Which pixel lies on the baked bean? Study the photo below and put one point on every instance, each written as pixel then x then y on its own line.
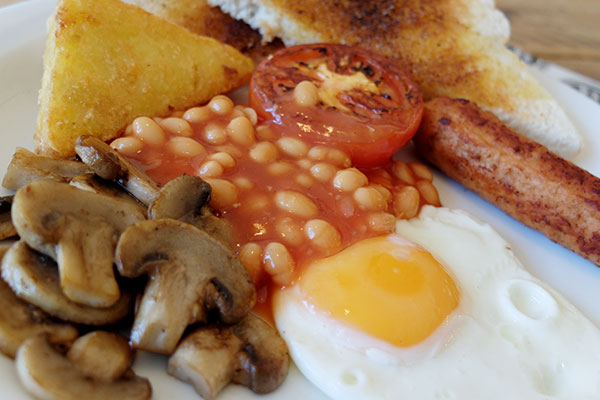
pixel 348 180
pixel 158 120
pixel 214 134
pixel 387 195
pixel 296 203
pixel 177 114
pixel 304 163
pixel 238 111
pixel 322 234
pixel 243 183
pixel 223 158
pixel 221 105
pixel 148 131
pixel 306 94
pixel 129 130
pixel 251 114
pixel 403 172
pixel 304 180
pixel 428 192
pixel 177 126
pixel 277 259
pixel 292 147
pixel 264 132
pixel 127 145
pixel 264 152
pixel 318 153
pixel 197 114
pixel 339 158
pixel 241 131
pixel 251 256
pixel 369 198
pixel 406 202
pixel 382 222
pixel 280 168
pixel 421 171
pixel 323 172
pixel 230 149
pixel 346 206
pixel 185 147
pixel 283 279
pixel 224 193
pixel 289 231
pixel 210 169
pixel 258 202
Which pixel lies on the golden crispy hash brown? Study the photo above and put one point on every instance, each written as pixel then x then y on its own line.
pixel 107 62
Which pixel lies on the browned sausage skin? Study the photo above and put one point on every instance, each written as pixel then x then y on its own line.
pixel 520 176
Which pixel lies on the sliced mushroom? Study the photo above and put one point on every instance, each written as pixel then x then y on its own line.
pixel 101 355
pixel 26 167
pixel 186 199
pixel 250 353
pixel 33 277
pixel 7 229
pixel 191 275
pixel 79 229
pixel 93 183
pixel 47 374
pixel 19 320
pixel 108 164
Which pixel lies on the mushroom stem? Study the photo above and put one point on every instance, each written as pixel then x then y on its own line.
pixel 250 353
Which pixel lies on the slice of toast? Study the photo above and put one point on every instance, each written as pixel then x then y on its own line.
pixel 107 62
pixel 203 19
pixel 454 48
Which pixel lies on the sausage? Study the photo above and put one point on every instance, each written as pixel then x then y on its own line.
pixel 521 177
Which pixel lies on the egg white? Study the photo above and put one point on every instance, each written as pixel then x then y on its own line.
pixel 511 337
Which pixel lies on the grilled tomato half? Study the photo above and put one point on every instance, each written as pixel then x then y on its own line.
pixel 338 95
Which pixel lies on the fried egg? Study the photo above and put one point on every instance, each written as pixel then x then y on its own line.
pixel 440 310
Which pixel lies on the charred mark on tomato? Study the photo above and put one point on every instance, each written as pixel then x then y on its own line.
pixel 368 71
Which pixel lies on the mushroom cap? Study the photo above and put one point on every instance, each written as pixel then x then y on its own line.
pixel 250 353
pixel 192 276
pixel 186 198
pixel 19 320
pixel 26 167
pixel 33 277
pixel 78 229
pixel 48 374
pixel 108 164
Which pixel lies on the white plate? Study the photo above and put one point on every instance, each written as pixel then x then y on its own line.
pixel 22 33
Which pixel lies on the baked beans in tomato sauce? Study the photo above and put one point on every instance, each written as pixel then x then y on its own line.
pixel 289 202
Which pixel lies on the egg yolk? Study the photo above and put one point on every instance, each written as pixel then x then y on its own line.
pixel 386 286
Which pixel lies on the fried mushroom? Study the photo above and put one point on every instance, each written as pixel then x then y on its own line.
pixel 19 320
pixel 108 164
pixel 46 373
pixel 79 229
pixel 7 229
pixel 93 183
pixel 186 198
pixel 191 276
pixel 33 277
pixel 250 353
pixel 26 167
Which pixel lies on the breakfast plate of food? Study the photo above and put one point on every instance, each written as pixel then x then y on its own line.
pixel 374 293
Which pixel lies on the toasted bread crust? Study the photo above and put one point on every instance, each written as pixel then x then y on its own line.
pixel 203 19
pixel 523 178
